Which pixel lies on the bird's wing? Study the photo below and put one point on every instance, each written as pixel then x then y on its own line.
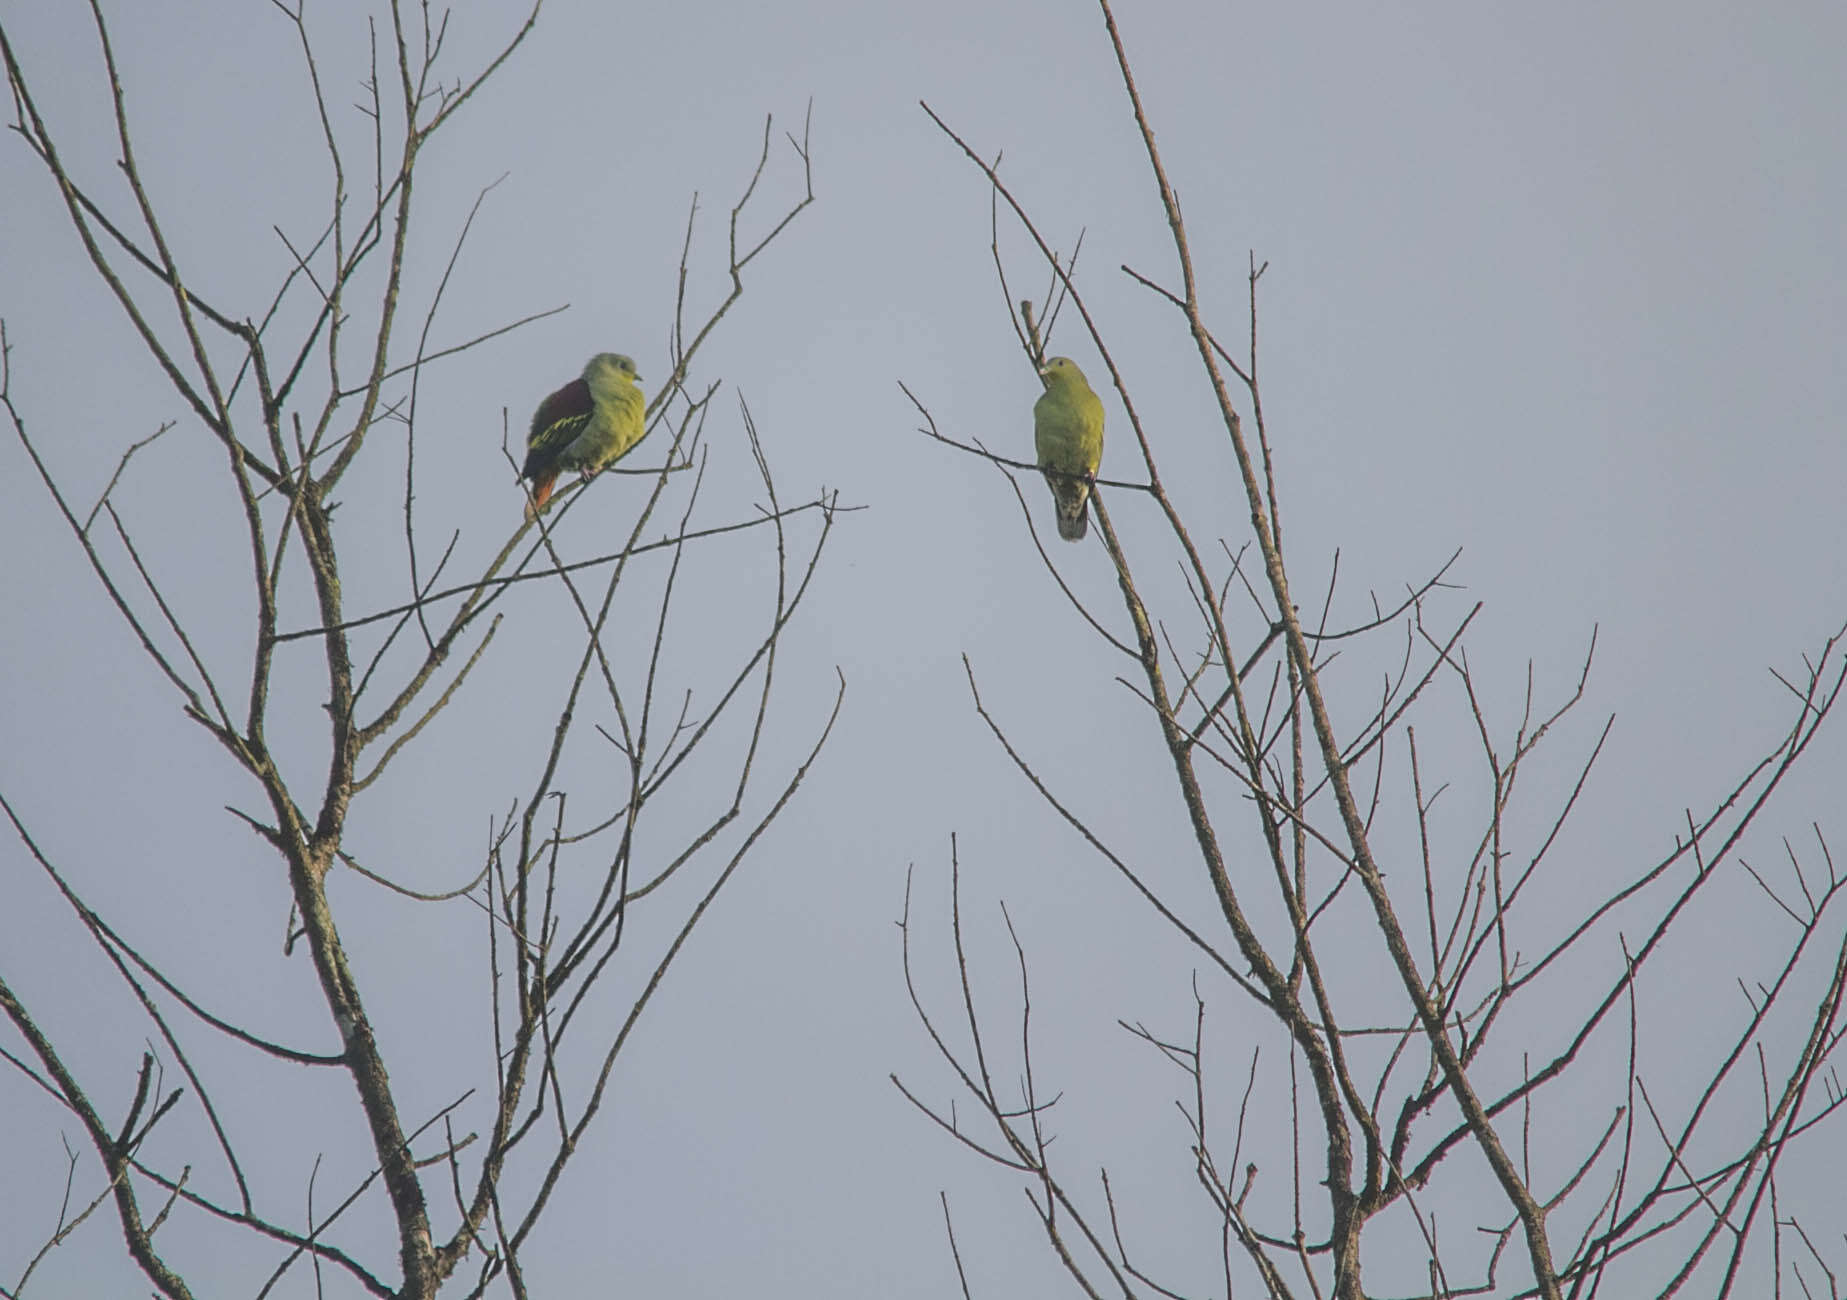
pixel 571 400
pixel 1092 437
pixel 556 424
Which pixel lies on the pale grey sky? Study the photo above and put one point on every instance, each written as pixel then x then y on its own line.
pixel 1562 286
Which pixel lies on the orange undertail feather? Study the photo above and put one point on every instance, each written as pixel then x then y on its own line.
pixel 541 493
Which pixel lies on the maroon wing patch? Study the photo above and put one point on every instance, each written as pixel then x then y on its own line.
pixel 572 399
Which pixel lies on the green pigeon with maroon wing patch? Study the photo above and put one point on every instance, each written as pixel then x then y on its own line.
pixel 590 423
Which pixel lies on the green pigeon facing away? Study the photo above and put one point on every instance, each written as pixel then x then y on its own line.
pixel 589 423
pixel 1068 435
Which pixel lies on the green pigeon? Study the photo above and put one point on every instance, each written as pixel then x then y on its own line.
pixel 589 423
pixel 1068 435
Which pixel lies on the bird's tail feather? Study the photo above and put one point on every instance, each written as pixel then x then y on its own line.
pixel 541 493
pixel 1073 500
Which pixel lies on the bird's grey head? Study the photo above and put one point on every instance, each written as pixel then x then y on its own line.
pixel 604 363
